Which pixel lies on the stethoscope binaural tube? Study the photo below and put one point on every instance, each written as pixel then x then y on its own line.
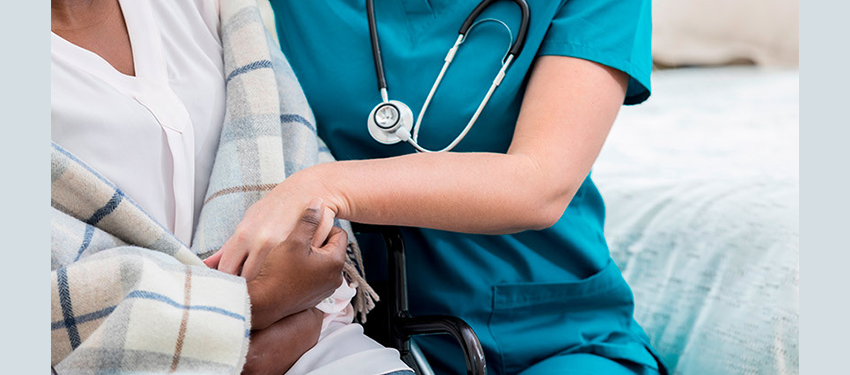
pixel 519 43
pixel 376 48
pixel 390 121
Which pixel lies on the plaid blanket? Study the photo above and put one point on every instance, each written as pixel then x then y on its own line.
pixel 128 296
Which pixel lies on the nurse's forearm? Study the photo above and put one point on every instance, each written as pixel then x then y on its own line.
pixel 568 108
pixel 553 147
pixel 465 192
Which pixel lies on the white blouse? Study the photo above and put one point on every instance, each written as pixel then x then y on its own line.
pixel 153 134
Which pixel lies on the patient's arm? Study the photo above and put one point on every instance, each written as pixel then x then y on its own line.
pixel 292 278
pixel 297 274
pixel 275 349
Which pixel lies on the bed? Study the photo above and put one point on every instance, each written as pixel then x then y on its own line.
pixel 701 185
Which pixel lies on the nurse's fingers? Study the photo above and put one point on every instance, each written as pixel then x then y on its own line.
pixel 234 253
pixel 212 260
pixel 324 228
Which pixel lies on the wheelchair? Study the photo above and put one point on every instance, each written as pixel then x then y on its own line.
pixel 392 324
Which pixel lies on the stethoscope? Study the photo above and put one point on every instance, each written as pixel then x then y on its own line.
pixel 392 121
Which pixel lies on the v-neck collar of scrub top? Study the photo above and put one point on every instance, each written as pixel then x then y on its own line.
pixel 433 7
pixel 149 87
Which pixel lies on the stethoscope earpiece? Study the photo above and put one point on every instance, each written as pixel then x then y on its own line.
pixel 391 121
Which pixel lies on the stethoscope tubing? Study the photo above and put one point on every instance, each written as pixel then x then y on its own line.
pixel 376 45
pixel 515 48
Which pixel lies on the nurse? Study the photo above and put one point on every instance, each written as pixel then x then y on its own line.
pixel 506 230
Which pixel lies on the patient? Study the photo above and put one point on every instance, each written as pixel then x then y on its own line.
pixel 138 93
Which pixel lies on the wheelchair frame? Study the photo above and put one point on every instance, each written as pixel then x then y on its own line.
pixel 401 326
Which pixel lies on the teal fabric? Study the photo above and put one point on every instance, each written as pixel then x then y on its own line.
pixel 529 296
pixel 612 33
pixel 584 364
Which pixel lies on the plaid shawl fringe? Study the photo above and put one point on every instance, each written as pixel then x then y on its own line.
pixel 126 294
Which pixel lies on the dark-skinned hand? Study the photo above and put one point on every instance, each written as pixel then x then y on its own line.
pixel 275 349
pixel 297 274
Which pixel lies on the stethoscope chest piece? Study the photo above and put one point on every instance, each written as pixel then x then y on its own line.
pixel 387 118
pixel 392 121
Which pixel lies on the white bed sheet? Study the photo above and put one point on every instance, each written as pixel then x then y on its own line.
pixel 701 184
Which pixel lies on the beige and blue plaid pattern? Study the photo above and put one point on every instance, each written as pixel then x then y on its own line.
pixel 128 296
pixel 251 159
pixel 269 133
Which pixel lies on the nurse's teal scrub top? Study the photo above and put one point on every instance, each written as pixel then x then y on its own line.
pixel 544 298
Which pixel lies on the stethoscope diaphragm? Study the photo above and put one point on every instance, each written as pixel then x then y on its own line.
pixel 387 119
pixel 391 121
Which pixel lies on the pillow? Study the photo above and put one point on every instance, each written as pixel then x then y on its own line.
pixel 714 32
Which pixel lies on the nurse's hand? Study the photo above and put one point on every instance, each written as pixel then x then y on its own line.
pixel 269 222
pixel 275 349
pixel 297 274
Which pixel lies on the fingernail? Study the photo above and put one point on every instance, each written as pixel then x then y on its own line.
pixel 315 204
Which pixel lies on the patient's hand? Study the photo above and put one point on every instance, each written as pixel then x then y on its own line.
pixel 296 274
pixel 275 349
pixel 268 222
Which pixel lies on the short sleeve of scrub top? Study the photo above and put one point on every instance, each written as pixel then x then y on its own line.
pixel 615 33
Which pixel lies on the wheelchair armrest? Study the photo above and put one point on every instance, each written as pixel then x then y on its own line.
pixel 473 353
pixel 401 325
pixel 396 269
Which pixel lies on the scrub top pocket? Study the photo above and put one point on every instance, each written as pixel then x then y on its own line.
pixel 533 321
